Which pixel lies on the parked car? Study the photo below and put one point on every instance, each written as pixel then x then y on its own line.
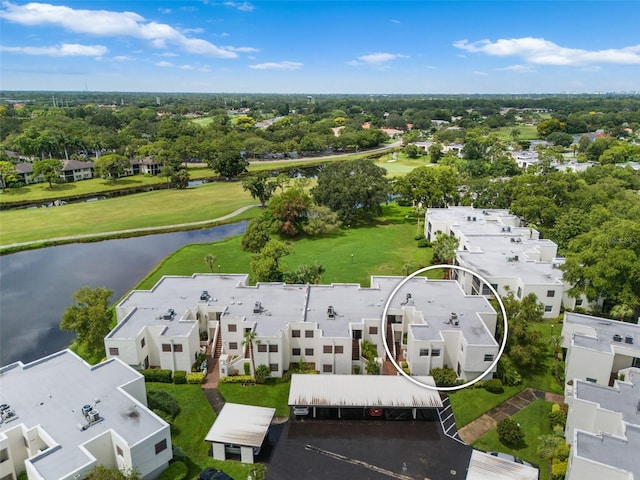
pixel 300 411
pixel 213 474
pixel 376 412
pixel 511 458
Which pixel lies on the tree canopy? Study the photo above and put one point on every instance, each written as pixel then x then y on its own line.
pixel 90 317
pixel 49 169
pixel 111 166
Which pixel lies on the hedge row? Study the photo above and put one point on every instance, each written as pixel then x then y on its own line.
pixel 195 378
pixel 237 379
pixel 157 375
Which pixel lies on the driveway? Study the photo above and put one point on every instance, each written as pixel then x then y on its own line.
pixel 364 449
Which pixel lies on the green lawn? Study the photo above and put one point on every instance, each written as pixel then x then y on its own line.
pixel 471 403
pixel 534 421
pixel 402 164
pixel 527 132
pixel 545 379
pixel 382 248
pixel 191 426
pixel 148 209
pixel 273 394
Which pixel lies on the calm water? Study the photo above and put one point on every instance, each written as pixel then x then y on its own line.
pixel 36 285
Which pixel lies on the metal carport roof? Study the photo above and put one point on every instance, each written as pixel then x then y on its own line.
pixel 487 467
pixel 385 391
pixel 242 425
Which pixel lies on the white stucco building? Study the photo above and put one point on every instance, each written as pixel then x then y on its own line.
pixel 60 417
pixel 429 324
pixel 511 257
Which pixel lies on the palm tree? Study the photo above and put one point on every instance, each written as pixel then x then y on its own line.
pixel 515 134
pixel 555 342
pixel 211 260
pixel 547 445
pixel 250 338
pixel 444 250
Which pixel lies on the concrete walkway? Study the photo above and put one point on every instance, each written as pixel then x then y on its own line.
pixel 71 238
pixel 474 430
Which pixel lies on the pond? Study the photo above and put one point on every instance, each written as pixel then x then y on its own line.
pixel 36 285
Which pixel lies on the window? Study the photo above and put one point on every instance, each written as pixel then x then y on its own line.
pixel 273 348
pixel 233 345
pixel 435 352
pixel 177 347
pixel 488 357
pixel 295 333
pixel 119 451
pixel 424 352
pixel 262 347
pixel 373 330
pixel 327 349
pixel 143 342
pixel 519 294
pixel 308 351
pixel 592 380
pixel 327 368
pixel 114 351
pixel 308 334
pixel 232 327
pixel 578 302
pixel 295 351
pixel 160 446
pixel 551 293
pixel 548 308
pixel 166 347
pixel 338 349
pixel 4 455
pixel 273 367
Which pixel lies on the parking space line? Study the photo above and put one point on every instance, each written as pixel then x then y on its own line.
pixel 360 463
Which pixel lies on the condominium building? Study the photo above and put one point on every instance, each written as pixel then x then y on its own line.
pixel 430 323
pixel 509 256
pixel 60 417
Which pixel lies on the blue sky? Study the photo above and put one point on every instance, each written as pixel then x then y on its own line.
pixel 299 46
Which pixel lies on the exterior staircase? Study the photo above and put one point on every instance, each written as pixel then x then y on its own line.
pixel 355 349
pixel 218 349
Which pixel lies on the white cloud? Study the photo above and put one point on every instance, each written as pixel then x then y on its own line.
pixel 397 22
pixel 166 54
pixel 518 68
pixel 165 11
pixel 123 58
pixel 242 49
pixel 479 73
pixel 164 64
pixel 187 67
pixel 109 24
pixel 242 6
pixel 376 59
pixel 192 30
pixel 278 66
pixel 63 50
pixel 539 51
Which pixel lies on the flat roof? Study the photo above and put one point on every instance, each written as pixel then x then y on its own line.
pixel 487 467
pixel 620 453
pixel 602 334
pixel 50 393
pixel 384 391
pixel 624 397
pixel 243 425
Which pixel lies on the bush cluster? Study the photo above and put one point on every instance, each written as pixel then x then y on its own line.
pixel 163 401
pixel 176 471
pixel 157 375
pixel 510 433
pixel 198 363
pixel 237 379
pixel 179 377
pixel 195 378
pixel 444 377
pixel 557 417
pixel 424 243
pixel 494 386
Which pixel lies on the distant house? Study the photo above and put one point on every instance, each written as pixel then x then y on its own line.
pixel 146 165
pixel 24 173
pixel 74 170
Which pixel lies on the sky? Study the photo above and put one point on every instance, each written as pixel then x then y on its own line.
pixel 299 46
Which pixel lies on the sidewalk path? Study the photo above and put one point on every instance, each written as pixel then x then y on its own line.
pixel 130 230
pixel 474 430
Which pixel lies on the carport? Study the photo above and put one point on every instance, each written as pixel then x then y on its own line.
pixel 347 392
pixel 487 467
pixel 239 429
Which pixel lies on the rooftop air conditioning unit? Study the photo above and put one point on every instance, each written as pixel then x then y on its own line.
pixel 94 416
pixel 628 339
pixel 468 219
pixel 257 308
pixel 331 313
pixel 617 338
pixel 513 240
pixel 205 295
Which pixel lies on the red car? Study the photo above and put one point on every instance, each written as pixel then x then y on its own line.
pixel 375 412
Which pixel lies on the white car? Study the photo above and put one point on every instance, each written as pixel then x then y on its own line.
pixel 300 411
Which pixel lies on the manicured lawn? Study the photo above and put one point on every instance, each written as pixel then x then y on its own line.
pixel 527 132
pixel 382 248
pixel 148 209
pixel 402 164
pixel 534 421
pixel 190 428
pixel 273 394
pixel 545 379
pixel 471 403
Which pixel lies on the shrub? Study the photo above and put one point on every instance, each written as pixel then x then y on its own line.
pixel 247 368
pixel 418 237
pixel 204 336
pixel 372 367
pixel 164 416
pixel 494 386
pixel 369 351
pixel 157 375
pixel 557 418
pixel 195 378
pixel 176 471
pixel 262 373
pixel 558 470
pixel 237 379
pixel 424 243
pixel 163 401
pixel 507 372
pixel 179 377
pixel 510 433
pixel 178 454
pixel 198 363
pixel 356 369
pixel 562 452
pixel 444 377
pixel 478 384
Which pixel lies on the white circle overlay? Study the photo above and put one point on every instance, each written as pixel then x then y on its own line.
pixel 413 379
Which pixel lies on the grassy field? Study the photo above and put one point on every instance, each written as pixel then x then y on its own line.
pixel 470 403
pixel 147 209
pixel 273 394
pixel 382 248
pixel 534 421
pixel 401 164
pixel 190 427
pixel 527 132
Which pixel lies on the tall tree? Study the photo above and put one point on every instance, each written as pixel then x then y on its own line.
pixel 229 163
pixel 444 248
pixel 353 189
pixel 250 339
pixel 111 166
pixel 257 233
pixel 90 317
pixel 210 259
pixel 290 208
pixel 266 266
pixel 260 186
pixel 8 173
pixel 49 169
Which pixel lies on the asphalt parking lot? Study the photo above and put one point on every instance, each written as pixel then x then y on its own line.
pixel 363 449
